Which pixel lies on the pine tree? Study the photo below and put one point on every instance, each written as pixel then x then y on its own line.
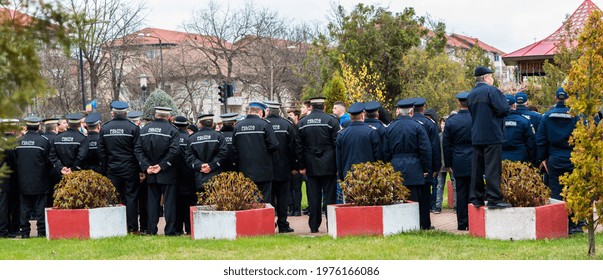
pixel 158 98
pixel 584 186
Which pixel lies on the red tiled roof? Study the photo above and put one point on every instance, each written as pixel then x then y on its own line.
pixel 149 36
pixel 548 46
pixel 17 17
pixel 471 41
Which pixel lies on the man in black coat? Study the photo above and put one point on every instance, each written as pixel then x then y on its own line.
pixel 143 191
pixel 458 151
pixel 51 129
pixel 488 108
pixel 186 180
pixel 92 161
pixel 69 148
pixel 315 151
pixel 254 142
pixel 116 142
pixel 228 123
pixel 207 151
pixel 156 151
pixel 31 157
pixel 283 160
pixel 10 211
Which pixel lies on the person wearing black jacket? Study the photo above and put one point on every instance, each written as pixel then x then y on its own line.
pixel 283 160
pixel 92 161
pixel 186 180
pixel 69 148
pixel 228 123
pixel 143 191
pixel 254 142
pixel 156 151
pixel 207 151
pixel 31 155
pixel 315 151
pixel 10 211
pixel 51 129
pixel 116 142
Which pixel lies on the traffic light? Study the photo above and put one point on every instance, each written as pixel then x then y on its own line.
pixel 230 89
pixel 222 93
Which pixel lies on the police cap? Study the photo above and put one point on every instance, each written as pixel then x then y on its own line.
pixel 203 117
pixel 74 117
pixel 462 95
pixel 521 97
pixel 561 94
pixel 317 100
pixel 431 112
pixel 51 120
pixel 356 108
pixel 272 104
pixel 229 116
pixel 163 110
pixel 258 104
pixel 119 106
pixel 180 121
pixel 372 106
pixel 134 115
pixel 510 99
pixel 420 101
pixel 481 70
pixel 32 121
pixel 93 118
pixel 406 103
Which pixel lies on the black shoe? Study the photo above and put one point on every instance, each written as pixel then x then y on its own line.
pixel 478 204
pixel 296 213
pixel 24 236
pixel 500 205
pixel 575 230
pixel 428 228
pixel 313 230
pixel 306 212
pixel 462 228
pixel 285 230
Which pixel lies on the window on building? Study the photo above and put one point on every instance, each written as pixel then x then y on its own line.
pixel 496 57
pixel 152 54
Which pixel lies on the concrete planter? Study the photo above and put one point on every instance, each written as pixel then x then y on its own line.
pixel 350 220
pixel 211 224
pixel 520 223
pixel 86 223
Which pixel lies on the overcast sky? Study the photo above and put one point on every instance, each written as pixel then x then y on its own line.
pixel 505 24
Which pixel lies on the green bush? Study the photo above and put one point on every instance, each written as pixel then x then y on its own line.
pixel 83 190
pixel 377 183
pixel 158 98
pixel 522 185
pixel 230 191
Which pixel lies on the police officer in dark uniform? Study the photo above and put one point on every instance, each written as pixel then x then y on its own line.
pixel 228 123
pixel 407 146
pixel 186 180
pixel 436 156
pixel 10 211
pixel 521 99
pixel 315 151
pixel 92 161
pixel 357 143
pixel 116 142
pixel 51 130
pixel 553 148
pixel 70 148
pixel 143 191
pixel 156 151
pixel 519 134
pixel 31 155
pixel 254 142
pixel 371 117
pixel 283 161
pixel 458 151
pixel 488 108
pixel 208 150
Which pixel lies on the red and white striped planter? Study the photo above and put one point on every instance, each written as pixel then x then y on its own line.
pixel 520 223
pixel 350 220
pixel 211 224
pixel 86 223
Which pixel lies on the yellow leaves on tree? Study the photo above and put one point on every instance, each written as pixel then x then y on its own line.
pixel 362 85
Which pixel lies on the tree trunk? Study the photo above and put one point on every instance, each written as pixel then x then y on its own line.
pixel 591 236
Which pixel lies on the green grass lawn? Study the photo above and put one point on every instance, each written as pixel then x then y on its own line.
pixel 432 245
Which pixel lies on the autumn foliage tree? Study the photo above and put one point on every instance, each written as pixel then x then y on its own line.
pixel 584 186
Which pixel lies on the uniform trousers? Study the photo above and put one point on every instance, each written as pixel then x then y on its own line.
pixel 183 210
pixel 266 190
pixel 169 193
pixel 4 215
pixel 280 198
pixel 10 212
pixel 316 186
pixel 143 208
pixel 486 161
pixel 416 194
pixel 462 198
pixel 295 194
pixel 128 192
pixel 557 169
pixel 35 204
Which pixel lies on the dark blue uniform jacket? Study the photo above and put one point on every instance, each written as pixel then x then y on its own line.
pixel 158 144
pixel 488 107
pixel 206 146
pixel 357 143
pixel 553 135
pixel 254 142
pixel 456 143
pixel 520 144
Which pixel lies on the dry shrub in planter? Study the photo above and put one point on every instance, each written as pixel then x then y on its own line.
pixel 84 190
pixel 522 185
pixel 230 191
pixel 374 183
